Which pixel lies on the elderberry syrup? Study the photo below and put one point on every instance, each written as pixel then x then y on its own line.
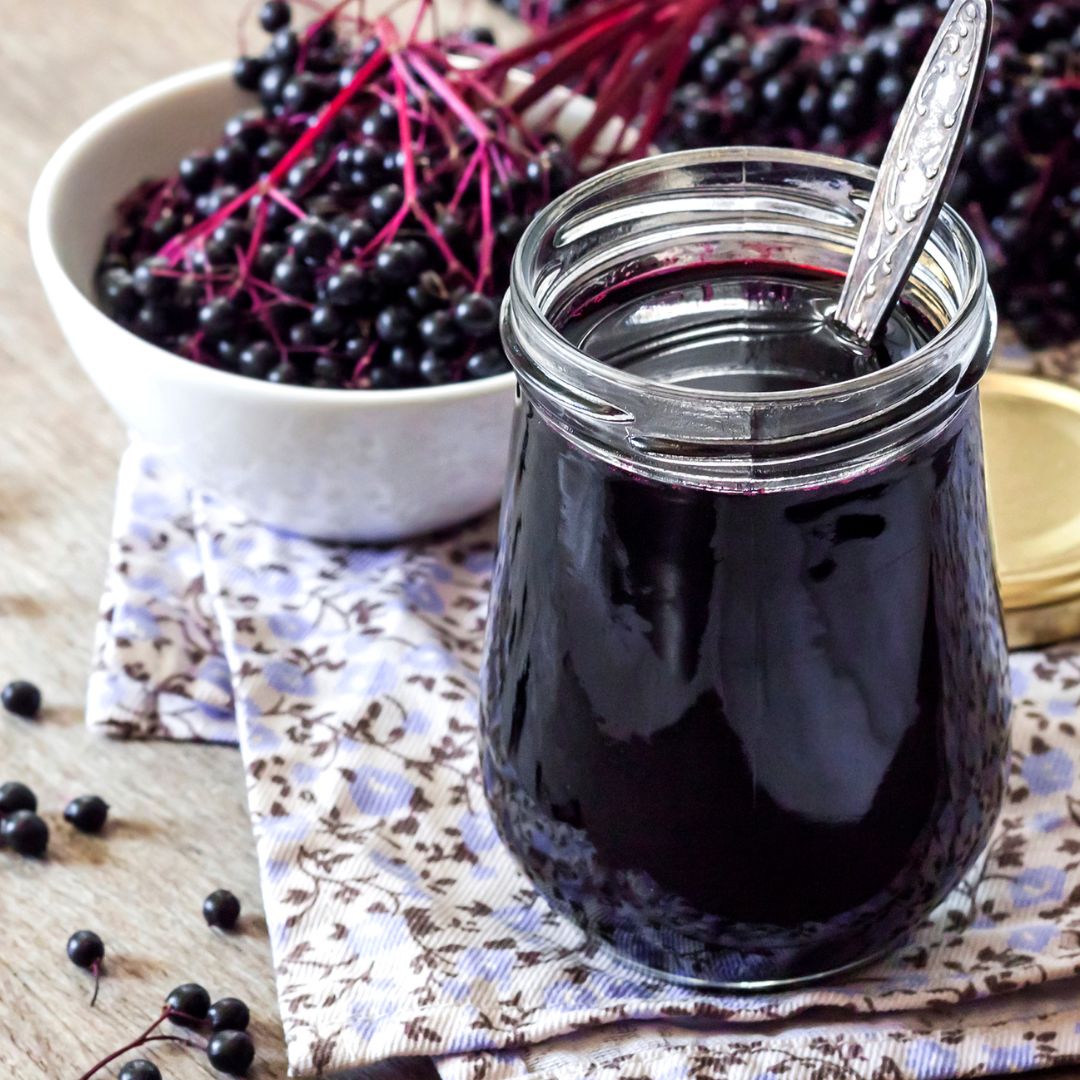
pixel 745 701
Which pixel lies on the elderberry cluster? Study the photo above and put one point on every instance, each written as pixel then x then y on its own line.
pixel 827 75
pixel 224 1023
pixel 831 75
pixel 359 262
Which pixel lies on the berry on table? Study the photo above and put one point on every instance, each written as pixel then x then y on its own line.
pixel 191 1001
pixel 21 698
pixel 221 909
pixel 229 1014
pixel 15 797
pixel 86 950
pixel 231 1052
pixel 87 813
pixel 25 833
pixel 140 1069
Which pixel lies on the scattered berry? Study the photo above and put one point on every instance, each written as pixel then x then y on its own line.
pixel 231 1052
pixel 25 833
pixel 229 1014
pixel 221 909
pixel 15 797
pixel 21 698
pixel 192 1001
pixel 86 950
pixel 140 1069
pixel 87 813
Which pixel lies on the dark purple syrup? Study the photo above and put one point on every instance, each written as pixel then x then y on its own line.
pixel 744 738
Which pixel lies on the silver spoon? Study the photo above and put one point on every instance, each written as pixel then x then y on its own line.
pixel 917 170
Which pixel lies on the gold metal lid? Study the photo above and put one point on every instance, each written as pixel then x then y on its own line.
pixel 1032 433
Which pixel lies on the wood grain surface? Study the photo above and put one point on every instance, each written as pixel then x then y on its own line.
pixel 179 824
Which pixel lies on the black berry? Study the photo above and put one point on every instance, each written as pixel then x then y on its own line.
pixel 21 698
pixel 197 173
pixel 229 1014
pixel 257 360
pixel 221 909
pixel 487 362
pixel 247 71
pixel 25 833
pixel 231 1052
pixel 87 813
pixel 312 241
pixel 440 332
pixel 192 1000
pixel 476 314
pixel 394 324
pixel 219 316
pixel 15 797
pixel 85 949
pixel 274 14
pixel 140 1069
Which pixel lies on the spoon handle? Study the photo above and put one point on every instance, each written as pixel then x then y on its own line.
pixel 917 169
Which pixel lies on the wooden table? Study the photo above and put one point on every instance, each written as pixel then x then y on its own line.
pixel 180 825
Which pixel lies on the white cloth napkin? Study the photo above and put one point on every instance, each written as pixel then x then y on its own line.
pixel 401 926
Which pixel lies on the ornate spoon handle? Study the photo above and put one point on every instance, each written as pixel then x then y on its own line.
pixel 917 169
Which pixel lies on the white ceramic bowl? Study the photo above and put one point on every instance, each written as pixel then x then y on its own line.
pixel 338 464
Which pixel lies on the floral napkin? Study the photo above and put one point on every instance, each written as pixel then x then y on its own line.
pixel 402 928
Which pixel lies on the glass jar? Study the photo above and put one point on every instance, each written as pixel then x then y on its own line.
pixel 745 704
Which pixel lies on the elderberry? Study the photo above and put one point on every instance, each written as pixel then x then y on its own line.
pixel 85 949
pixel 21 698
pixel 231 1052
pixel 192 1001
pixel 749 79
pixel 87 813
pixel 221 909
pixel 274 14
pixel 487 362
pixel 323 274
pixel 476 314
pixel 15 797
pixel 229 1014
pixel 25 833
pixel 140 1069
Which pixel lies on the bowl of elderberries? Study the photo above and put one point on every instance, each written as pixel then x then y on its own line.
pixel 285 272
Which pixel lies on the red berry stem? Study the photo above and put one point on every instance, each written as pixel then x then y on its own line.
pixel 142 1039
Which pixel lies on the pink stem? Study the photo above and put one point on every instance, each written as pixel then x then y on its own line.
pixel 450 97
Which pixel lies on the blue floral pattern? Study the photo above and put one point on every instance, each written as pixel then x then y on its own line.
pixel 400 925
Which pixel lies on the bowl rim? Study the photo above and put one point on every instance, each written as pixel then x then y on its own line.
pixel 45 253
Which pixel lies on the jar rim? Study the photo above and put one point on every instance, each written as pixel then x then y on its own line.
pixel 547 335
